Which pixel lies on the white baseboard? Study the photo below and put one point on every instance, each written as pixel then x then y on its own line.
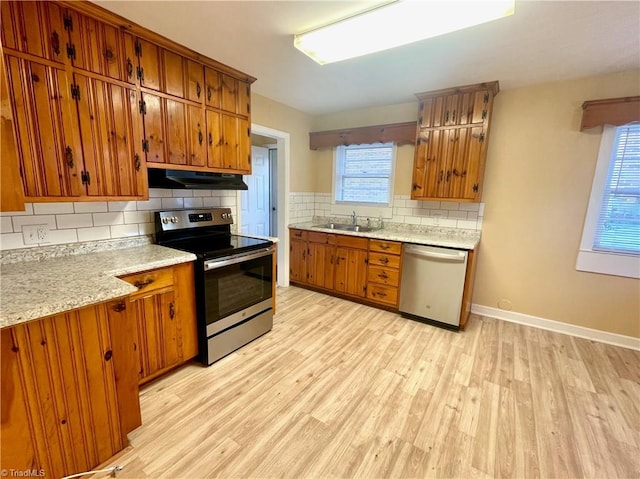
pixel 564 328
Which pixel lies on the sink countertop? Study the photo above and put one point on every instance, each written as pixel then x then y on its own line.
pixel 43 286
pixel 433 236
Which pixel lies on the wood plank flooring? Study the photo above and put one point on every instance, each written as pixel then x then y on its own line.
pixel 341 390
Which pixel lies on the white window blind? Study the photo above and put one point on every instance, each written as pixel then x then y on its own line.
pixel 364 173
pixel 618 224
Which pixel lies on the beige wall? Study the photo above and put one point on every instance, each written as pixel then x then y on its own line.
pixel 537 185
pixel 275 115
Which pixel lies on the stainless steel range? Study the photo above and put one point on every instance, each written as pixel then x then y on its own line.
pixel 233 278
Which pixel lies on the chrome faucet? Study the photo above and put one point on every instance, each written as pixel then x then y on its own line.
pixel 354 219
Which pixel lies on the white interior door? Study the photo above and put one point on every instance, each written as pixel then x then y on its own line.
pixel 255 202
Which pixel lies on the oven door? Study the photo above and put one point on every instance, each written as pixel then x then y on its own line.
pixel 237 288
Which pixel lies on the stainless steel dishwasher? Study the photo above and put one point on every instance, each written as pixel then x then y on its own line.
pixel 432 283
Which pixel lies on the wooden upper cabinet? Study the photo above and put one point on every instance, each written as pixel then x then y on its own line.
pixel 111 138
pixel 11 191
pixel 35 28
pixel 46 127
pixel 194 81
pixel 149 66
pixel 213 87
pixel 100 48
pixel 451 139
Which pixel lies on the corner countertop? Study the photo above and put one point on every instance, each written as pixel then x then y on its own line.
pixel 432 236
pixel 43 286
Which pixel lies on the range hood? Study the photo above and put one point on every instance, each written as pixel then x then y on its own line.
pixel 194 180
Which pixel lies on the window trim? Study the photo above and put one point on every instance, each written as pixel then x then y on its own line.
pixel 364 204
pixel 590 260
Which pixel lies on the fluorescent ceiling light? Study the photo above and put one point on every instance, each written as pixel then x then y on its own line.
pixel 396 24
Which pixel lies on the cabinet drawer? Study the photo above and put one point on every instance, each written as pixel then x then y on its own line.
pixel 352 241
pixel 150 280
pixel 299 234
pixel 383 294
pixel 324 238
pixel 390 247
pixel 379 275
pixel 384 259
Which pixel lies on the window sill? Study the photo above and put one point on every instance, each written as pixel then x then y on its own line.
pixel 609 263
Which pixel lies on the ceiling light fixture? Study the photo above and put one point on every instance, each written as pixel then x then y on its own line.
pixel 395 24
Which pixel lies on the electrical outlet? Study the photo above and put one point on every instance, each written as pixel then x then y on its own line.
pixel 34 234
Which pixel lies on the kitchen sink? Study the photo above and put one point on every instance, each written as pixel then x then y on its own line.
pixel 343 227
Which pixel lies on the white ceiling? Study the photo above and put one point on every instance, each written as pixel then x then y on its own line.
pixel 544 41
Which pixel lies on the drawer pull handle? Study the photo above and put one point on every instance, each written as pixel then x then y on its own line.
pixel 172 310
pixel 384 260
pixel 382 295
pixel 142 284
pixel 383 275
pixel 384 246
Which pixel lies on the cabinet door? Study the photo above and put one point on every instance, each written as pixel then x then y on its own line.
pixel 185 311
pixel 298 261
pixel 46 127
pixel 229 93
pixel 195 80
pixel 231 140
pixel 213 88
pixel 320 265
pixel 36 28
pixel 154 130
pixel 11 191
pixel 244 144
pixel 474 163
pixel 214 139
pixel 108 138
pixel 176 138
pixel 157 336
pixel 101 48
pixel 197 133
pixel 61 391
pixel 148 70
pixel 351 271
pixel 173 73
pixel 244 98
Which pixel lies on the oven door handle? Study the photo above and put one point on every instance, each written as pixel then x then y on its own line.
pixel 220 263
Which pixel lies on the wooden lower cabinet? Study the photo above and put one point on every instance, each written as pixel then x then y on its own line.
pixel 383 274
pixel 351 271
pixel 69 390
pixel 164 309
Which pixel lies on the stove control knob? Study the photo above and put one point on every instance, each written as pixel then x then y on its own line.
pixel 165 220
pixel 225 216
pixel 174 219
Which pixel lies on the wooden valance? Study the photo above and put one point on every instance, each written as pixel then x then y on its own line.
pixel 399 133
pixel 612 111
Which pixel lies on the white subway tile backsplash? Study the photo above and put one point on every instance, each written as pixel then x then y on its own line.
pixel 449 205
pixel 472 215
pixel 193 202
pixel 94 234
pixel 137 216
pixel 181 193
pixel 52 208
pixel 12 241
pixel 469 206
pixel 147 228
pixel 20 221
pixel 152 204
pixel 77 220
pixel 481 209
pixel 113 218
pixel 122 206
pixel 459 215
pixel 412 203
pixel 6 225
pixel 172 203
pixel 430 205
pixel 211 201
pixel 201 193
pixel 412 220
pixel 467 224
pixel 228 201
pixel 90 207
pixel 121 231
pixel 160 193
pixel 438 213
pixel 446 222
pixel 62 236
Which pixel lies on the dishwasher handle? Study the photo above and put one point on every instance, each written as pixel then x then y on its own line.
pixel 455 256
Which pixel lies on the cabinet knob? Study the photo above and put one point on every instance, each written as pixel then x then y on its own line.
pixel 172 310
pixel 108 354
pixel 119 307
pixel 142 284
pixel 198 89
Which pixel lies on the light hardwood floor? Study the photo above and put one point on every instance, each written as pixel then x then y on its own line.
pixel 338 390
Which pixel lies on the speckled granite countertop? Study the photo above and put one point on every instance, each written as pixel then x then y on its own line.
pixel 45 285
pixel 433 236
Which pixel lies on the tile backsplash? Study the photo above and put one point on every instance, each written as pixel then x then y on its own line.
pixel 91 221
pixel 304 206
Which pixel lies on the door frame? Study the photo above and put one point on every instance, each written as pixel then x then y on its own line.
pixel 283 142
